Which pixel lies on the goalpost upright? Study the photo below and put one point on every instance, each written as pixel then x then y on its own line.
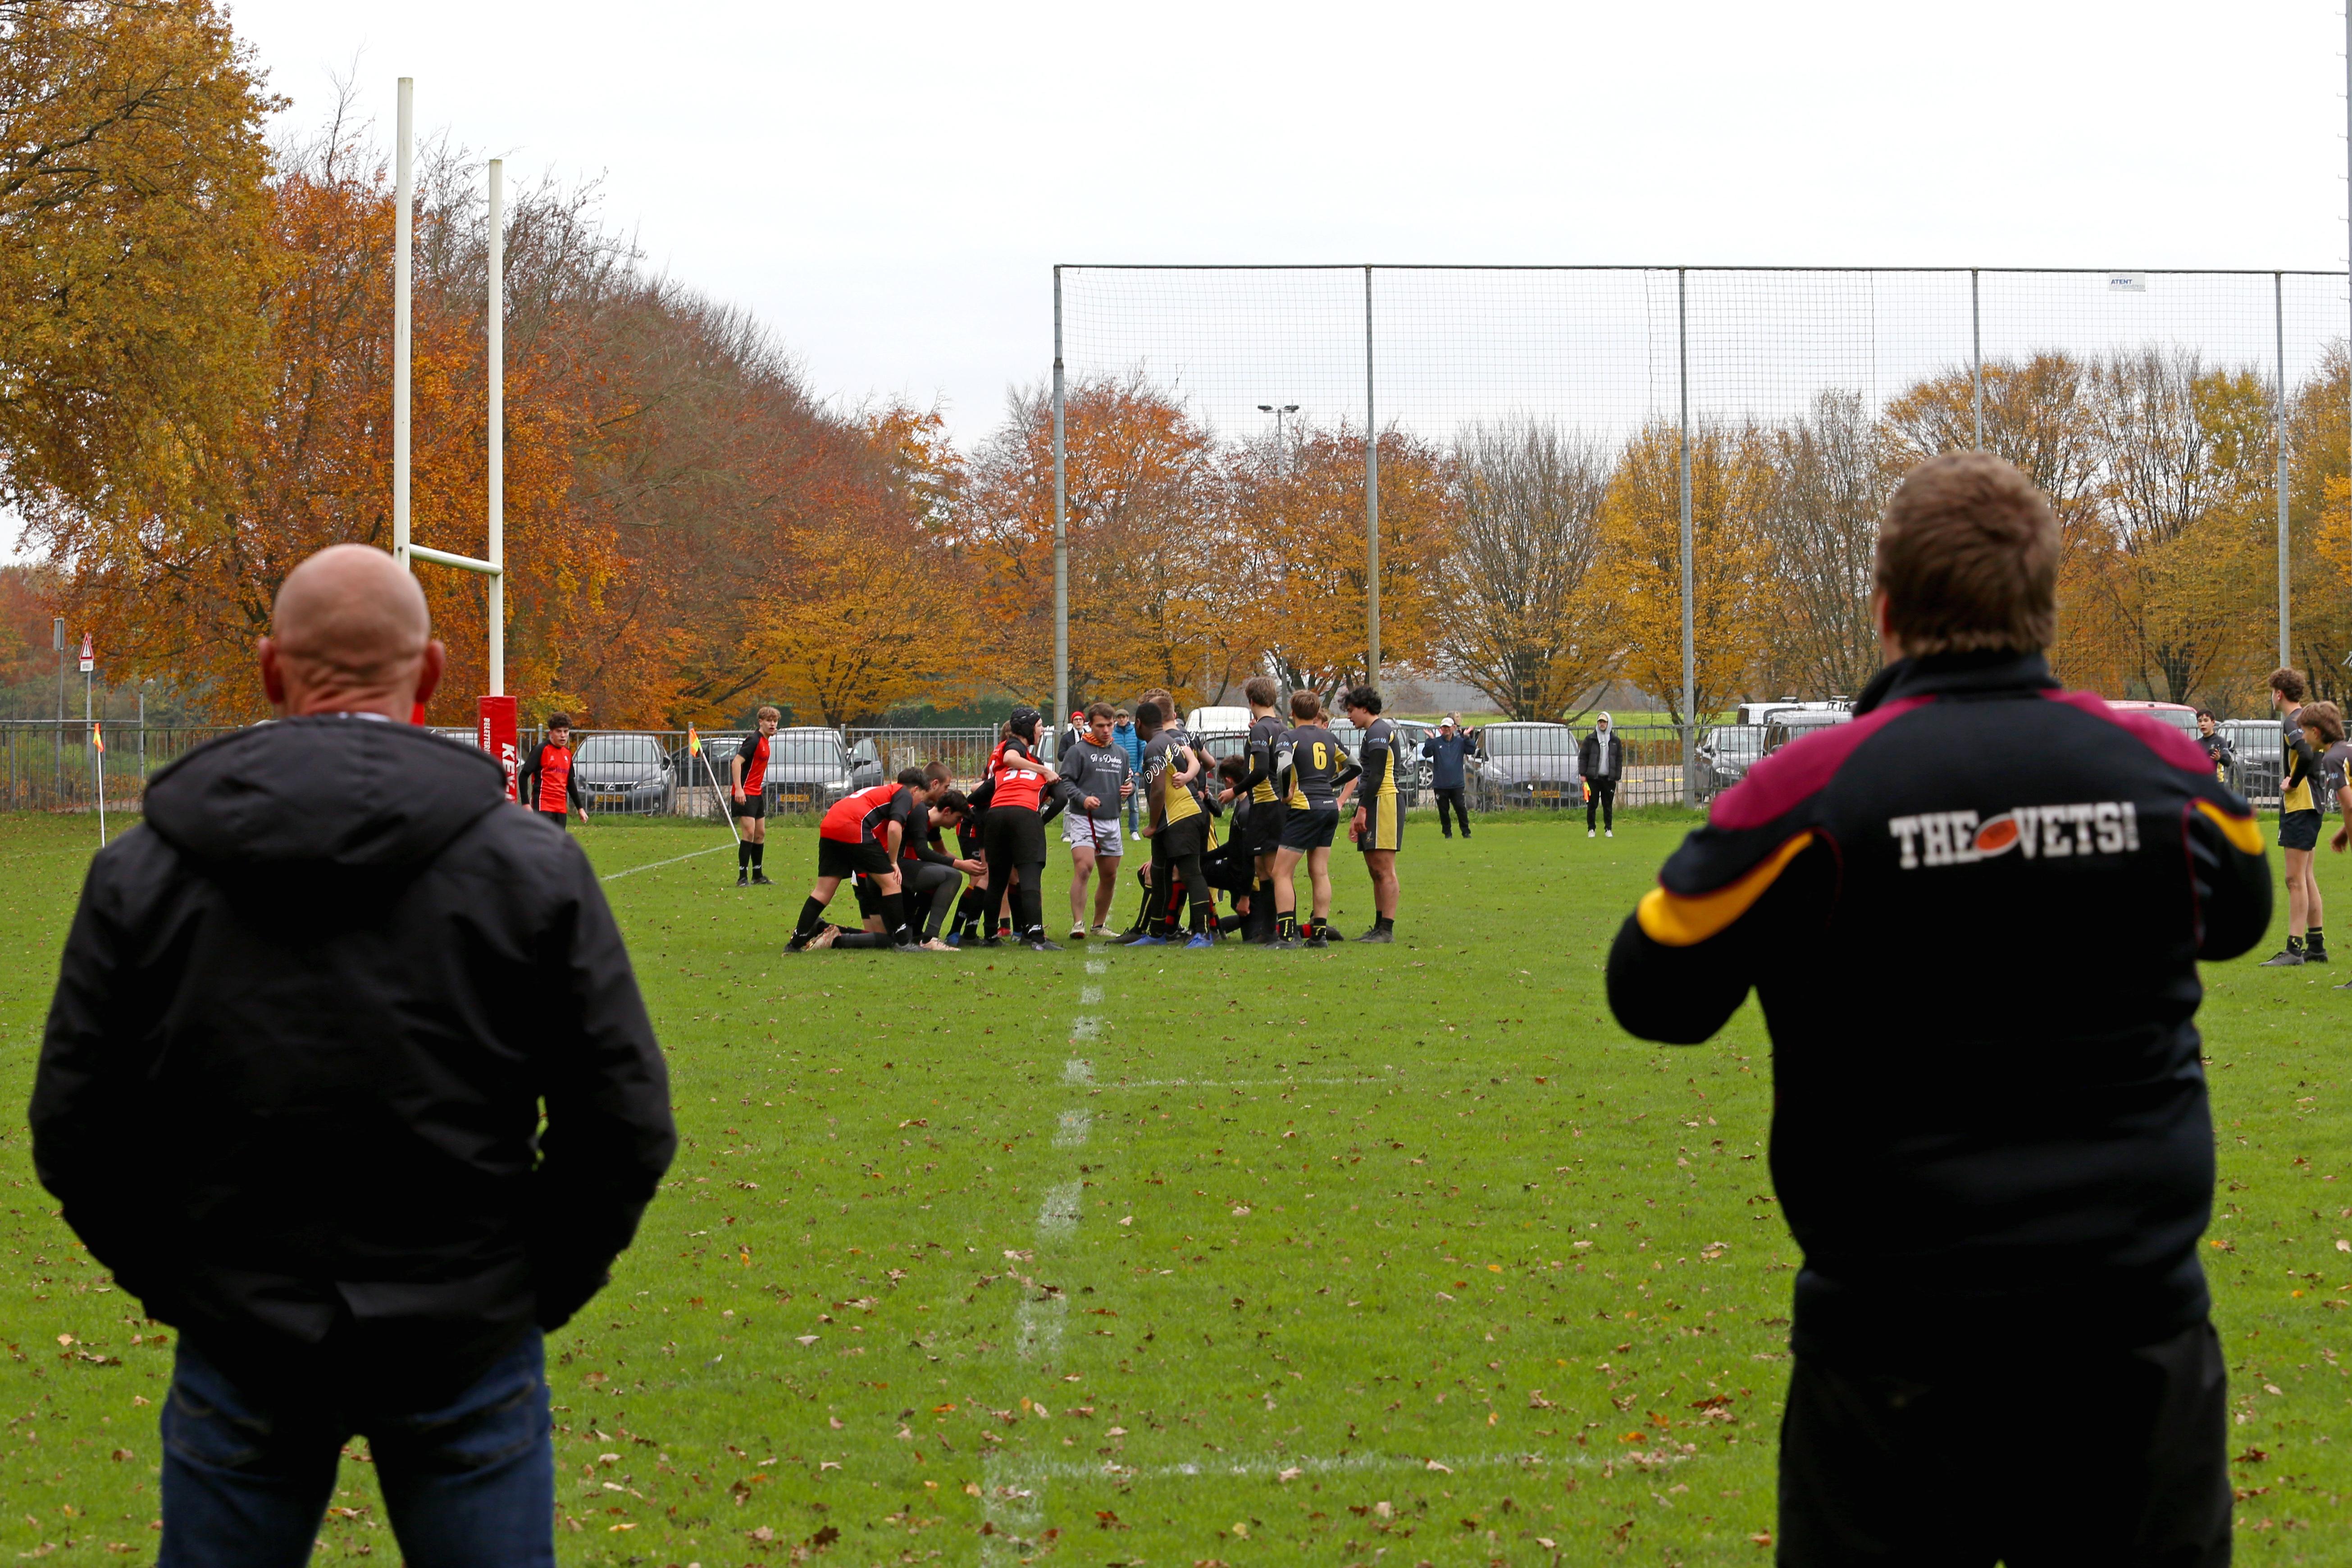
pixel 498 731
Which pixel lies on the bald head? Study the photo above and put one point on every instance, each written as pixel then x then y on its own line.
pixel 349 634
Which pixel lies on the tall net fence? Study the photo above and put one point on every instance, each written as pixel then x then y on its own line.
pixel 1532 425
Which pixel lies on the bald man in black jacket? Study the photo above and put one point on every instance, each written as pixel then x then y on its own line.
pixel 306 1024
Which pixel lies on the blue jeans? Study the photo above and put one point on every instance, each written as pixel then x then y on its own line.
pixel 247 1475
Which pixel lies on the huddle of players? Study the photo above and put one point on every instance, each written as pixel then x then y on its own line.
pixel 1286 793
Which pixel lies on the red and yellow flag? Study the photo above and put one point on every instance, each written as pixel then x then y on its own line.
pixel 98 739
pixel 693 742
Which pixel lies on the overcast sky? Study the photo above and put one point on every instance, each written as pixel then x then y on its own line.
pixel 889 186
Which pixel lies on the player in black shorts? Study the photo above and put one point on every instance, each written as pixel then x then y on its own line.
pixel 2311 731
pixel 1379 826
pixel 1312 770
pixel 1265 815
pixel 746 774
pixel 1178 829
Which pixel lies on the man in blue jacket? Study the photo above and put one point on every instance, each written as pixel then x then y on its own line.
pixel 1973 917
pixel 1447 752
pixel 1123 736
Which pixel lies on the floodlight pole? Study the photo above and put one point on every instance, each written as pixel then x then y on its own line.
pixel 2278 316
pixel 496 333
pixel 1371 505
pixel 1976 353
pixel 403 203
pixel 1690 656
pixel 1061 536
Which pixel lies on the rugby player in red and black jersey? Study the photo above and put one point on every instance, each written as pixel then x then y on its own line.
pixel 1014 835
pixel 547 784
pixel 860 835
pixel 747 773
pixel 1990 1132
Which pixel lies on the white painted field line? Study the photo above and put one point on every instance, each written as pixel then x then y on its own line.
pixel 1240 1082
pixel 1015 1509
pixel 657 864
pixel 1272 1467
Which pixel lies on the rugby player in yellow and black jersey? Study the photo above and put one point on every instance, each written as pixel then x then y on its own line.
pixel 1263 821
pixel 1177 827
pixel 1312 774
pixel 1379 828
pixel 1973 917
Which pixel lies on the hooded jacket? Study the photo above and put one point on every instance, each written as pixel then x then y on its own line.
pixel 1973 917
pixel 305 1024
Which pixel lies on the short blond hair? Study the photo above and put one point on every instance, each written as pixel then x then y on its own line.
pixel 775 713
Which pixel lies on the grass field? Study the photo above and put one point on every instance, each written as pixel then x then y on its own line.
pixel 1397 1256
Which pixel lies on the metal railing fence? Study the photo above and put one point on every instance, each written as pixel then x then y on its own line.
pixel 46 765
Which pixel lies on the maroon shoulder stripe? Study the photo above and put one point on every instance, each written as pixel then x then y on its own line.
pixel 1801 769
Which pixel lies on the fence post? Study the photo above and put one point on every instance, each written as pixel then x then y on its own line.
pixel 1371 505
pixel 1061 537
pixel 2278 313
pixel 1976 352
pixel 1690 659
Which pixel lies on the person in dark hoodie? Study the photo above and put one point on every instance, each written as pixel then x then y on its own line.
pixel 306 1021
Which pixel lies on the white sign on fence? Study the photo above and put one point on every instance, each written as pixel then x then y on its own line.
pixel 2126 282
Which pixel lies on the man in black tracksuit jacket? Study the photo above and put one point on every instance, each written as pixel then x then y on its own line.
pixel 1973 917
pixel 307 1022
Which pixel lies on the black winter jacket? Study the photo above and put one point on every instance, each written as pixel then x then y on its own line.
pixel 1589 759
pixel 305 1025
pixel 1973 917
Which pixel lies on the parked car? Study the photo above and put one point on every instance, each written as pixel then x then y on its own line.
pixel 1414 770
pixel 624 770
pixel 809 767
pixel 1726 751
pixel 2179 715
pixel 1789 723
pixel 1522 763
pixel 2259 746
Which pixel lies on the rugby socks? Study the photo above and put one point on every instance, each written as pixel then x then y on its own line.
pixel 893 917
pixel 759 855
pixel 812 917
pixel 967 911
pixel 2315 942
pixel 1384 922
pixel 1285 928
pixel 742 856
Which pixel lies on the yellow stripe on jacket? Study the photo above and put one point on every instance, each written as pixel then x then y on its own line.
pixel 1675 920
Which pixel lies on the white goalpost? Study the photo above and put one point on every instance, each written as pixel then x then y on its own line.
pixel 496 729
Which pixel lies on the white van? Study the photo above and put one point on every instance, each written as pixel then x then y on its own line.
pixel 1217 722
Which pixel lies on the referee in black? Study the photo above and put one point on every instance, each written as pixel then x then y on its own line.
pixel 1991 1134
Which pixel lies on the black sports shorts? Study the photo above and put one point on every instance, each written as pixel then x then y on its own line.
pixel 2299 830
pixel 1178 839
pixel 834 858
pixel 753 804
pixel 557 817
pixel 1264 826
pixel 1014 836
pixel 1309 829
